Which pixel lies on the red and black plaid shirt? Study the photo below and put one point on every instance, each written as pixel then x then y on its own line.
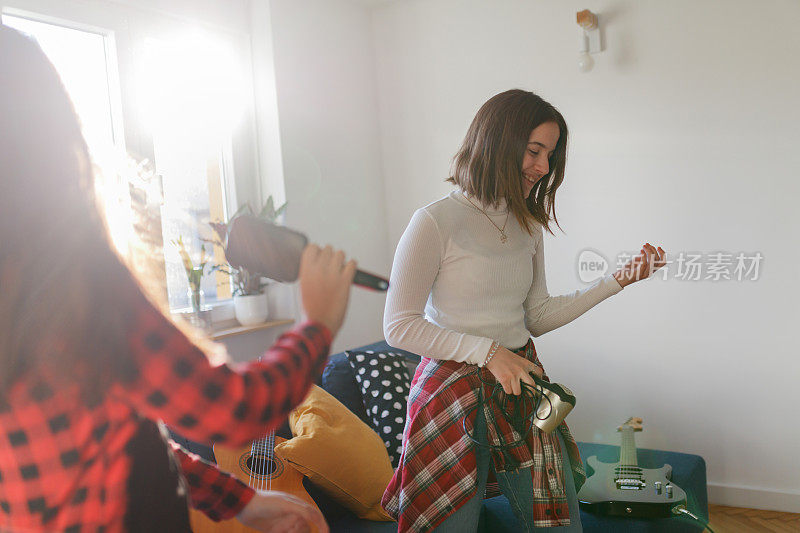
pixel 64 466
pixel 216 493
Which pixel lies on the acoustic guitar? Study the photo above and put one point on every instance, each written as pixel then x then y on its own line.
pixel 262 468
pixel 625 489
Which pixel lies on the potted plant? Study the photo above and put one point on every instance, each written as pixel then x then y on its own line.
pixel 249 288
pixel 194 274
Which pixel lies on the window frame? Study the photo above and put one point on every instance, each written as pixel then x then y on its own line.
pixel 124 28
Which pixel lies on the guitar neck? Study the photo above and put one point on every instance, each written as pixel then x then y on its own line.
pixel 627 455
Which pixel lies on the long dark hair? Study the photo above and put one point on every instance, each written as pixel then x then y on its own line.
pixel 488 165
pixel 67 296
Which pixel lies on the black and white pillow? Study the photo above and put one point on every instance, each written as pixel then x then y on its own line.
pixel 384 381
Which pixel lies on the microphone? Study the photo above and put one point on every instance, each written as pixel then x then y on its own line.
pixel 274 252
pixel 370 281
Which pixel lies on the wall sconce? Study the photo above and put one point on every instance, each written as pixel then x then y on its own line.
pixel 589 39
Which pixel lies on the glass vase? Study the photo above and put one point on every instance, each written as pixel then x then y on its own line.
pixel 197 305
pixel 196 299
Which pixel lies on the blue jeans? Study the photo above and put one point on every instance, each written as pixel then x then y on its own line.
pixel 517 487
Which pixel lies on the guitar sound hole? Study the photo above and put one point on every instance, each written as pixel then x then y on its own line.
pixel 261 465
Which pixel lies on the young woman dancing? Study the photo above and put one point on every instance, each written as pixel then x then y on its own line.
pixel 467 292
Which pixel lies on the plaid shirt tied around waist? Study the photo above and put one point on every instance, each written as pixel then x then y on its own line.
pixel 438 468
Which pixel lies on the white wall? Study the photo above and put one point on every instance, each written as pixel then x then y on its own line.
pixel 231 14
pixel 683 135
pixel 327 109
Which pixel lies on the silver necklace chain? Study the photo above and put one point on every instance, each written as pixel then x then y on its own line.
pixel 503 236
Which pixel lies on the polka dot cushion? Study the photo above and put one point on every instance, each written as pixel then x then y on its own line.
pixel 384 381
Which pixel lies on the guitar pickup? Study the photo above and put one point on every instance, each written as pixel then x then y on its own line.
pixel 630 484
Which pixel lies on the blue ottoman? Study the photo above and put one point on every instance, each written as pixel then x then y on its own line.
pixel 688 472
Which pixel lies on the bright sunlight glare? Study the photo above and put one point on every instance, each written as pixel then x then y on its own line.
pixel 192 82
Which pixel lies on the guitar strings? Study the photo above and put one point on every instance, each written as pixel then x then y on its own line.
pixel 261 472
pixel 272 454
pixel 257 465
pixel 266 463
pixel 262 459
pixel 252 454
pixel 272 457
pixel 267 453
pixel 262 462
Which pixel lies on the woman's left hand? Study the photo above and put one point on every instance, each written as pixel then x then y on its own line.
pixel 642 266
pixel 277 512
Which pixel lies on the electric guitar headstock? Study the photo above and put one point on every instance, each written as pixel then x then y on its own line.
pixel 633 422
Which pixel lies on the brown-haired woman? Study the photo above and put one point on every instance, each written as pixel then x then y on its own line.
pixel 467 292
pixel 88 363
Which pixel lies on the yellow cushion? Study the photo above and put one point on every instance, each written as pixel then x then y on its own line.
pixel 339 453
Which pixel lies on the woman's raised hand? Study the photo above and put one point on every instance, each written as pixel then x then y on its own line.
pixel 325 281
pixel 509 368
pixel 642 266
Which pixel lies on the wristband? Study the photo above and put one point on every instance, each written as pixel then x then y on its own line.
pixel 492 351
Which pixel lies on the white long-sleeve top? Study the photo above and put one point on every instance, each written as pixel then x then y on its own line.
pixel 455 288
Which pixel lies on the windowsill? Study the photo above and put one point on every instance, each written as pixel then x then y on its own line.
pixel 219 321
pixel 219 310
pixel 229 328
pixel 215 316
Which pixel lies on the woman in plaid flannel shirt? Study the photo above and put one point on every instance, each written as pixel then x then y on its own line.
pixel 88 364
pixel 467 291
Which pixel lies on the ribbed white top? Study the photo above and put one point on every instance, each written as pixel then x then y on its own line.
pixel 455 288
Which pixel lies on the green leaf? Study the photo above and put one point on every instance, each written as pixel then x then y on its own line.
pixel 244 208
pixel 269 208
pixel 222 268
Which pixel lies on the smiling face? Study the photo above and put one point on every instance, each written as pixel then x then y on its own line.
pixel 515 150
pixel 538 154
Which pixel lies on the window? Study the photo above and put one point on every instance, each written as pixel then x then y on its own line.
pixel 86 62
pixel 85 66
pixel 191 99
pixel 184 110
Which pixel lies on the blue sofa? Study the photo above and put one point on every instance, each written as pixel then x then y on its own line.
pixel 688 472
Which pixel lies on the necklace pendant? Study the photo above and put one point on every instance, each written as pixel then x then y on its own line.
pixel 503 238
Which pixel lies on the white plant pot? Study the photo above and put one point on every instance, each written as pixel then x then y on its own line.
pixel 251 310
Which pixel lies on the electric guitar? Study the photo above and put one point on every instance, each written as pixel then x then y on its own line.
pixel 262 468
pixel 625 489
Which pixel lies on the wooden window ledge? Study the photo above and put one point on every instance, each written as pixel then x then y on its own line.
pixel 229 328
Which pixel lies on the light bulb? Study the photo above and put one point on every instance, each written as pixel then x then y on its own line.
pixel 585 62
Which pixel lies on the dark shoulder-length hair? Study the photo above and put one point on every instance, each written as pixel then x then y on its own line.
pixel 68 299
pixel 488 166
